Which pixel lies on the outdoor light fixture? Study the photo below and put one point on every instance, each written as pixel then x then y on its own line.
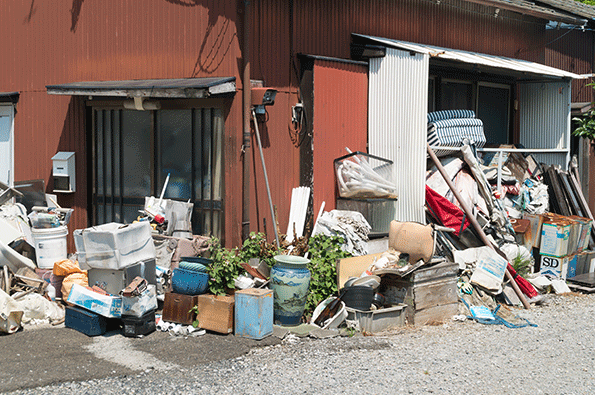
pixel 262 97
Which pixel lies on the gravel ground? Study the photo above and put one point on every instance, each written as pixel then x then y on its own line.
pixel 556 357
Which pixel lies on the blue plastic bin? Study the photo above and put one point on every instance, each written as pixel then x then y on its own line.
pixel 189 282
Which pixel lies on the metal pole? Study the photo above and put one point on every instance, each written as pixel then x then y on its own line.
pixel 247 104
pixel 474 223
pixel 266 178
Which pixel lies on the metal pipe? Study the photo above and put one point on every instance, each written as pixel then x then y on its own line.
pixel 247 105
pixel 266 178
pixel 474 223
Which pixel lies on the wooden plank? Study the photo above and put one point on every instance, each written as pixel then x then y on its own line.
pixel 435 315
pixel 558 190
pixel 570 193
pixel 445 269
pixel 576 287
pixel 444 292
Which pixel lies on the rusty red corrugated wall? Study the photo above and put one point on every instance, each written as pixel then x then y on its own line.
pixel 572 51
pixel 340 120
pixel 46 43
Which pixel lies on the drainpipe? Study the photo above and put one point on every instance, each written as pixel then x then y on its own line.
pixel 247 104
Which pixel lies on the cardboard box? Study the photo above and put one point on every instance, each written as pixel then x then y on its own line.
pixel 555 234
pixel 585 232
pixel 216 313
pixel 109 306
pixel 572 265
pixel 554 266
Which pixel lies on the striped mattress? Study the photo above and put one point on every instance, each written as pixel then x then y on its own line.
pixel 451 128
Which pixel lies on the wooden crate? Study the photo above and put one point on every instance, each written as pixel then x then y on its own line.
pixel 215 313
pixel 429 293
pixel 176 308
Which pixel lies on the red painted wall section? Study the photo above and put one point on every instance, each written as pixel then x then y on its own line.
pixel 340 120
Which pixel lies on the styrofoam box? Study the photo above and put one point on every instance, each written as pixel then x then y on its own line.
pixel 378 320
pixel 114 246
pixel 138 306
pixel 109 306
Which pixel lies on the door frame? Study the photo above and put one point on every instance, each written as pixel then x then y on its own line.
pixel 8 109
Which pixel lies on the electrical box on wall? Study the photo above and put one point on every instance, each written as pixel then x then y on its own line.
pixel 63 172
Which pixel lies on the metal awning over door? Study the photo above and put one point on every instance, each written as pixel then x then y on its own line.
pixel 179 88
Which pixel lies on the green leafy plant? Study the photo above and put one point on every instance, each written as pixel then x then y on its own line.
pixel 585 125
pixel 256 246
pixel 224 269
pixel 324 253
pixel 194 310
pixel 522 265
pixel 226 263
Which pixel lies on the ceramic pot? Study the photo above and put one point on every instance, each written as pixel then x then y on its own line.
pixel 290 281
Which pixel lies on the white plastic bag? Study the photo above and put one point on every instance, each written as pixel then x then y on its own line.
pixel 36 307
pixel 489 267
pixel 10 313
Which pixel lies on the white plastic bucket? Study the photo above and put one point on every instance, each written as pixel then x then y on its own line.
pixel 50 246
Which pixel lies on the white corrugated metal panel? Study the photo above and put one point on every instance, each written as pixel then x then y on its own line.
pixel 545 119
pixel 517 65
pixel 398 100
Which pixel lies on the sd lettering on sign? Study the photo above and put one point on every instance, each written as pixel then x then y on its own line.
pixel 554 266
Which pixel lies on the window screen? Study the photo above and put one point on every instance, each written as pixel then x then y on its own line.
pixel 134 151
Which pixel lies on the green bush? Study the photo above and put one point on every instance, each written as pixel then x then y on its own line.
pixel 324 252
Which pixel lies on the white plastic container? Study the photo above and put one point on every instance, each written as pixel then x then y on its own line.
pixel 50 246
pixel 336 320
pixel 114 246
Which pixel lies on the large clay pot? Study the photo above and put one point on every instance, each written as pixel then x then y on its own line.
pixel 290 280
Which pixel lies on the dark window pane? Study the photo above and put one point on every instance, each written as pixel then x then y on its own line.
pixel 492 108
pixel 99 150
pixel 136 158
pixel 175 138
pixel 456 96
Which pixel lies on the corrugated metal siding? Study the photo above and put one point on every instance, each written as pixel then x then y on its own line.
pixel 282 164
pixel 398 98
pixel 545 119
pixel 48 43
pixel 340 120
pixel 323 27
pixel 572 51
pixel 59 42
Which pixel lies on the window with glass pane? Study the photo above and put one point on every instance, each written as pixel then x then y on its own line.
pixel 456 96
pixel 135 151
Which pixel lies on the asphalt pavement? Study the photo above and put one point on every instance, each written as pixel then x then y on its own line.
pixel 41 356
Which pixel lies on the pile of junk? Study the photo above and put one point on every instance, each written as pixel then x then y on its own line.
pixel 113 281
pixel 501 232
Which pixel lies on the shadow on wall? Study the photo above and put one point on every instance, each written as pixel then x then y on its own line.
pixel 73 138
pixel 217 39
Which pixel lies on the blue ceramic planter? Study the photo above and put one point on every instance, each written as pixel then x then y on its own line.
pixel 290 281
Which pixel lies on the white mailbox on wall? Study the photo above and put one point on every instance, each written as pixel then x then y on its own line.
pixel 63 172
